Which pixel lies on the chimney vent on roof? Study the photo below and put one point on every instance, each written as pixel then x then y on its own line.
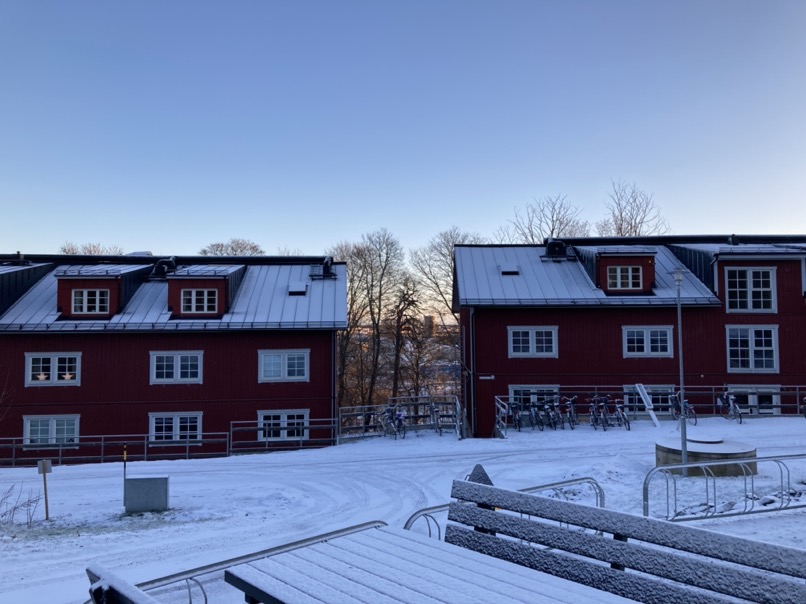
pixel 555 248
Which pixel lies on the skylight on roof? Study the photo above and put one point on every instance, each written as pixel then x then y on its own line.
pixel 297 288
pixel 509 268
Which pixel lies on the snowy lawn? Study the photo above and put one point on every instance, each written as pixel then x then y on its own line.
pixel 223 508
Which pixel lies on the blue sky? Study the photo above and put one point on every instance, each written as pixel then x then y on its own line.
pixel 167 125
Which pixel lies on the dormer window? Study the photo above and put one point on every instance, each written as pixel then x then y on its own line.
pixel 199 301
pixel 624 277
pixel 90 302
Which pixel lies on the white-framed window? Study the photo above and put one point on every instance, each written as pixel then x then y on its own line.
pixel 49 430
pixel 283 365
pixel 52 369
pixel 533 341
pixel 199 301
pixel 624 277
pixel 172 367
pixel 647 341
pixel 526 394
pixel 90 301
pixel 659 395
pixel 750 289
pixel 752 348
pixel 169 427
pixel 284 424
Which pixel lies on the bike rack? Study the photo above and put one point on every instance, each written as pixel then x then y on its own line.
pixel 428 513
pixel 711 508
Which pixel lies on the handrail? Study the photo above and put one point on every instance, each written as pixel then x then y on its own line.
pixel 427 513
pixel 279 549
pixel 673 513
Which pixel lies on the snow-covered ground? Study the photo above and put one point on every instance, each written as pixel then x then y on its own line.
pixel 222 508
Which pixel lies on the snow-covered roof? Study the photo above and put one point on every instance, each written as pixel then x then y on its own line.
pixel 262 301
pixel 545 281
pixel 748 249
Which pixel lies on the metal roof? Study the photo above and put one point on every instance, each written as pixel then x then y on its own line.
pixel 559 282
pixel 261 302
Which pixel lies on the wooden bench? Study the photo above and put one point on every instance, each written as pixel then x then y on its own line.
pixel 108 588
pixel 386 565
pixel 639 558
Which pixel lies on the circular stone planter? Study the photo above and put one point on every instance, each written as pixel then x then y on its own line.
pixel 702 448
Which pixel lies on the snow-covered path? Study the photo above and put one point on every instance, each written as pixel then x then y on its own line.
pixel 222 508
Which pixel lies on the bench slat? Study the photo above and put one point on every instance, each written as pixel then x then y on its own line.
pixel 740 582
pixel 635 587
pixel 765 556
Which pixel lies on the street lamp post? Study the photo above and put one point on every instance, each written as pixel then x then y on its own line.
pixel 678 281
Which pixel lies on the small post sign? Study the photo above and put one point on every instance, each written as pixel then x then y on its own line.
pixel 44 466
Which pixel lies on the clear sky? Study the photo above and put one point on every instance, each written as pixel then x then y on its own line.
pixel 167 125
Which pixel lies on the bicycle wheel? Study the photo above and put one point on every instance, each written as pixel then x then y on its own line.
pixel 550 421
pixel 691 416
pixel 605 422
pixel 561 420
pixel 625 420
pixel 726 410
pixel 539 422
pixel 571 422
pixel 594 420
pixel 737 415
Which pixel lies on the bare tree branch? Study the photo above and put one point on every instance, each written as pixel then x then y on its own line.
pixel 233 247
pixel 632 213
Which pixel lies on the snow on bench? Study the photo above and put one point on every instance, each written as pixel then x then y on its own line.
pixel 108 588
pixel 664 562
pixel 387 565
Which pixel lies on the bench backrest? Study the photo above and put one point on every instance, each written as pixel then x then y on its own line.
pixel 571 541
pixel 108 588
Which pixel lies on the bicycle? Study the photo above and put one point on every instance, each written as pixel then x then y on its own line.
pixel 560 419
pixel 604 411
pixel 436 419
pixel 548 413
pixel 515 411
pixel 593 411
pixel 621 416
pixel 728 408
pixel 571 410
pixel 400 423
pixel 685 409
pixel 385 426
pixel 535 419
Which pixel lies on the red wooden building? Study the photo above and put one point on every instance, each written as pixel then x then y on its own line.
pixel 581 316
pixel 172 356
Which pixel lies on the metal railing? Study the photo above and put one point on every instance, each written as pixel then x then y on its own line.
pixel 782 496
pixel 360 421
pixel 557 487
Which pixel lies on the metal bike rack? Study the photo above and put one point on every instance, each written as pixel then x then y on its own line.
pixel 788 497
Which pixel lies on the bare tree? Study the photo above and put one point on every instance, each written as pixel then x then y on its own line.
pixel 90 249
pixel 350 360
pixel 548 218
pixel 433 267
pixel 400 318
pixel 632 213
pixel 233 247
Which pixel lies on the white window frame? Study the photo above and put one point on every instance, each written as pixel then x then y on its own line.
pixel 83 300
pixel 287 425
pixel 733 306
pixel 518 392
pixel 52 439
pixel 177 435
pixel 646 331
pixel 625 277
pixel 53 379
pixel 532 352
pixel 753 349
pixel 177 359
pixel 197 301
pixel 284 356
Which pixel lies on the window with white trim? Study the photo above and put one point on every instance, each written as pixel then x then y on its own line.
pixel 283 365
pixel 532 341
pixel 750 289
pixel 534 394
pixel 48 430
pixel 90 301
pixel 52 369
pixel 168 427
pixel 624 277
pixel 169 367
pixel 650 341
pixel 286 424
pixel 199 301
pixel 752 349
